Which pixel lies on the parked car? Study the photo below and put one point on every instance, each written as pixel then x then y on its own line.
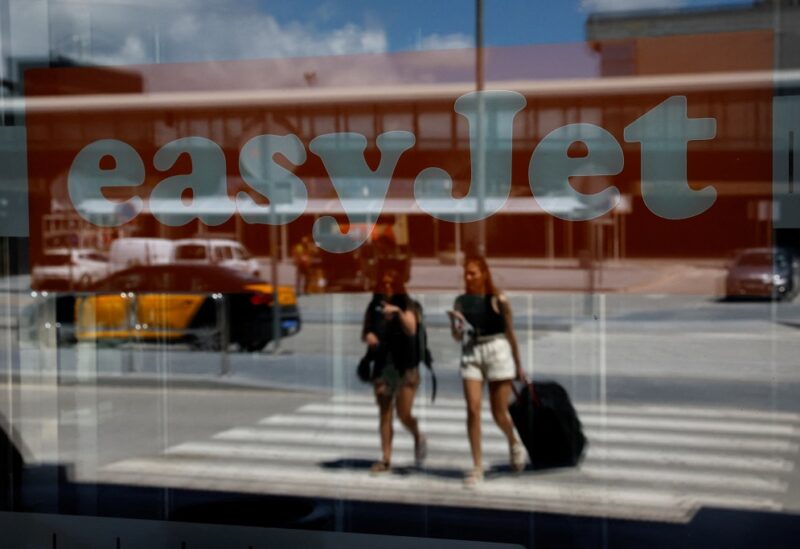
pixel 133 251
pixel 763 272
pixel 202 305
pixel 216 251
pixel 64 269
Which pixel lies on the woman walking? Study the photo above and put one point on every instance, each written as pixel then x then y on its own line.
pixel 390 328
pixel 482 322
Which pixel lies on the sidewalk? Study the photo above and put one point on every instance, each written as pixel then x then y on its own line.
pixel 693 276
pixel 430 276
pixel 699 277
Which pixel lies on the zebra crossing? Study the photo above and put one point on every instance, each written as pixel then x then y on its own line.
pixel 643 462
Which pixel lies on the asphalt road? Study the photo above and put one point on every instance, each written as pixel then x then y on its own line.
pixel 688 402
pixel 591 345
pixel 646 461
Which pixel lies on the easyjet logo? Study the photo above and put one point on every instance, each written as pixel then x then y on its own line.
pixel 663 134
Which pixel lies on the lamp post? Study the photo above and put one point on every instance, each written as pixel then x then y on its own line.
pixel 480 163
pixel 5 56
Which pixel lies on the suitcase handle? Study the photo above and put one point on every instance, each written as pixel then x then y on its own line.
pixel 531 389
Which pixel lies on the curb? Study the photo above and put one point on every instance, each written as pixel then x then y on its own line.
pixel 174 381
pixel 431 321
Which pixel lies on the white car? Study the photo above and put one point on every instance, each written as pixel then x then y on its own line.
pixel 133 251
pixel 64 268
pixel 217 251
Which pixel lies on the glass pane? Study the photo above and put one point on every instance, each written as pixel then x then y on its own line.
pixel 218 216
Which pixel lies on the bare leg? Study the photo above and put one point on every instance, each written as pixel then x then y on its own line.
pixel 386 429
pixel 404 403
pixel 472 393
pixel 498 398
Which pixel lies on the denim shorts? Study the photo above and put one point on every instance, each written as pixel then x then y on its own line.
pixel 390 380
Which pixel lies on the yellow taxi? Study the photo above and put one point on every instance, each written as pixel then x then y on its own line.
pixel 206 306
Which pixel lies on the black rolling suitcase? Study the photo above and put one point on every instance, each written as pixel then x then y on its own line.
pixel 548 425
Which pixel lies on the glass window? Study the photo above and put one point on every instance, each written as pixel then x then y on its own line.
pixel 598 196
pixel 190 251
pixel 222 253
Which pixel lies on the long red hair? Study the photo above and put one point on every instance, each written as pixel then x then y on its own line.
pixel 480 261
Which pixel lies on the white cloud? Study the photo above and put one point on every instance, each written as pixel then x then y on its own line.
pixel 594 6
pixel 119 32
pixel 446 41
pixel 28 29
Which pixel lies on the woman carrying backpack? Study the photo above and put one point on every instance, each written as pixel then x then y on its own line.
pixel 390 328
pixel 482 322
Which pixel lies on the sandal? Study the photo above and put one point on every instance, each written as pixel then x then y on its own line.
pixel 517 455
pixel 380 467
pixel 473 477
pixel 420 450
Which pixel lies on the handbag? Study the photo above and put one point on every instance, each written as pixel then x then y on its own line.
pixel 367 367
pixel 364 369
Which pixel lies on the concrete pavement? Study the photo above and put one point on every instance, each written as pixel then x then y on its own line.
pixel 643 463
pixel 680 276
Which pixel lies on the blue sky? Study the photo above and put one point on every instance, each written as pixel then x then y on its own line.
pixel 123 32
pixel 506 22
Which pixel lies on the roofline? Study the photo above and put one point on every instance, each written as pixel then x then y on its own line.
pixel 684 11
pixel 189 100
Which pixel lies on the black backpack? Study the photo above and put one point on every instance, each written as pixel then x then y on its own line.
pixel 366 369
pixel 421 351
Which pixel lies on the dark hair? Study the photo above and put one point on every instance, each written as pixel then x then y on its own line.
pixel 480 261
pixel 398 284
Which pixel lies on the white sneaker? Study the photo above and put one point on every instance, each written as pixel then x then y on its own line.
pixel 517 454
pixel 473 477
pixel 420 451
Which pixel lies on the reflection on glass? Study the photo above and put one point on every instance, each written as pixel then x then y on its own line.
pixel 214 188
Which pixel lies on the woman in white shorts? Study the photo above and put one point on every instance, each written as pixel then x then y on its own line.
pixel 482 322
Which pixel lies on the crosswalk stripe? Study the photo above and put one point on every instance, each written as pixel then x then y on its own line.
pixel 508 493
pixel 588 417
pixel 772 416
pixel 692 411
pixel 695 459
pixel 749 442
pixel 643 504
pixel 315 456
pixel 499 449
pixel 343 421
pixel 716 442
pixel 752 444
pixel 694 478
pixel 722 426
pixel 645 462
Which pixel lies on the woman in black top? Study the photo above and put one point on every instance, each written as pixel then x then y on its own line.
pixel 482 322
pixel 390 328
